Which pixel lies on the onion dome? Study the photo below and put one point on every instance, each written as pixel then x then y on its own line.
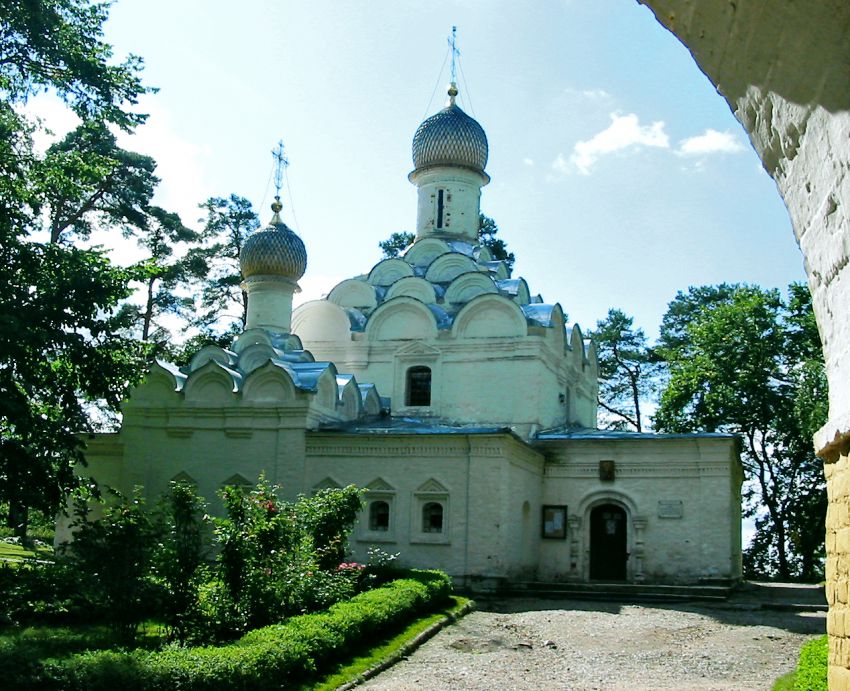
pixel 450 138
pixel 274 251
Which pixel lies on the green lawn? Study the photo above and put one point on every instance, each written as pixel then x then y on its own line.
pixel 12 552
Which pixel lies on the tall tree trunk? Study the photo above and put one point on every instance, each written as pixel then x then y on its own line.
pixel 18 519
pixel 146 324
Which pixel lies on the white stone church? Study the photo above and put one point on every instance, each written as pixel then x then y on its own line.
pixel 460 402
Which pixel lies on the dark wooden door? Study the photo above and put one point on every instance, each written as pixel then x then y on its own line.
pixel 608 553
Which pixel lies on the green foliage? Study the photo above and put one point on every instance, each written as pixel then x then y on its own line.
pixel 811 674
pixel 273 657
pixel 214 263
pixel 327 518
pixel 627 369
pixel 384 649
pixel 32 592
pixel 743 360
pixel 276 559
pixel 158 234
pixel 61 353
pixel 395 243
pixel 487 230
pixel 86 181
pixel 56 44
pixel 112 555
pixel 178 560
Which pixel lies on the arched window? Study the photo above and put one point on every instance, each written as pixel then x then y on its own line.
pixel 432 517
pixel 379 516
pixel 418 391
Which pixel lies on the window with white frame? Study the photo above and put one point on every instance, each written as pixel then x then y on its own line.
pixel 430 519
pixel 377 522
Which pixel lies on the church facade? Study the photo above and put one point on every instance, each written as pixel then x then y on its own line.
pixel 459 401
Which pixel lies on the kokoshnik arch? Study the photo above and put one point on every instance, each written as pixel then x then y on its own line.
pixel 784 69
pixel 456 396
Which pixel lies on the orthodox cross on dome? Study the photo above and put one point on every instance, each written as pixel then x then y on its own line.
pixel 280 163
pixel 455 54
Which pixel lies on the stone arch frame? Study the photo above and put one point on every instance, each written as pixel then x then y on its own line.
pixel 635 525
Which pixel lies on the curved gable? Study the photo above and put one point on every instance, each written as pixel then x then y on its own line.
pixel 212 353
pixel 469 286
pixel 355 293
pixel 162 385
pixel 490 316
pixel 388 271
pixel 320 320
pixel 349 397
pixel 212 383
pixel 516 289
pixel 371 400
pixel 401 318
pixel 257 355
pixel 577 347
pixel 592 361
pixel 449 266
pixel 413 287
pixel 327 393
pixel 269 383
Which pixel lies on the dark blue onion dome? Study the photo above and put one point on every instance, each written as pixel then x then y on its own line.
pixel 450 138
pixel 274 251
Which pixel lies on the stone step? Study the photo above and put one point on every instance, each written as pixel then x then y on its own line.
pixel 636 592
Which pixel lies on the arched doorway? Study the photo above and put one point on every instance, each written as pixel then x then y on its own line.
pixel 608 543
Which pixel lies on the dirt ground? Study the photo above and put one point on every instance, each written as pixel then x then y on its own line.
pixel 560 644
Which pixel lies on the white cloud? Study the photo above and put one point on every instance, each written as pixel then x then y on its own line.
pixel 588 94
pixel 180 163
pixel 710 142
pixel 56 118
pixel 595 93
pixel 624 132
pixel 561 164
pixel 528 161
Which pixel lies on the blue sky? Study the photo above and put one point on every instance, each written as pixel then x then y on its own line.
pixel 619 176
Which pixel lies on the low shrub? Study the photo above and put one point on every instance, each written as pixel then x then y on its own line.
pixel 811 674
pixel 267 658
pixel 33 592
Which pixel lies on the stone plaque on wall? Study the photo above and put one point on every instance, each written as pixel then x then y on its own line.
pixel 670 508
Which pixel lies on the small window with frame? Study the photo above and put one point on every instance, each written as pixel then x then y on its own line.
pixel 379 516
pixel 432 517
pixel 418 389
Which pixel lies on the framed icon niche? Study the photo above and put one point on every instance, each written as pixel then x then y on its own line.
pixel 554 523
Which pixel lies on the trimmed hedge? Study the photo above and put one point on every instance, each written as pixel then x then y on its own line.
pixel 273 657
pixel 811 673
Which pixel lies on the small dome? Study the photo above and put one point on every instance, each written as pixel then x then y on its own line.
pixel 450 137
pixel 275 250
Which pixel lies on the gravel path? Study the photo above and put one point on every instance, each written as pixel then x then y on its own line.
pixel 579 645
